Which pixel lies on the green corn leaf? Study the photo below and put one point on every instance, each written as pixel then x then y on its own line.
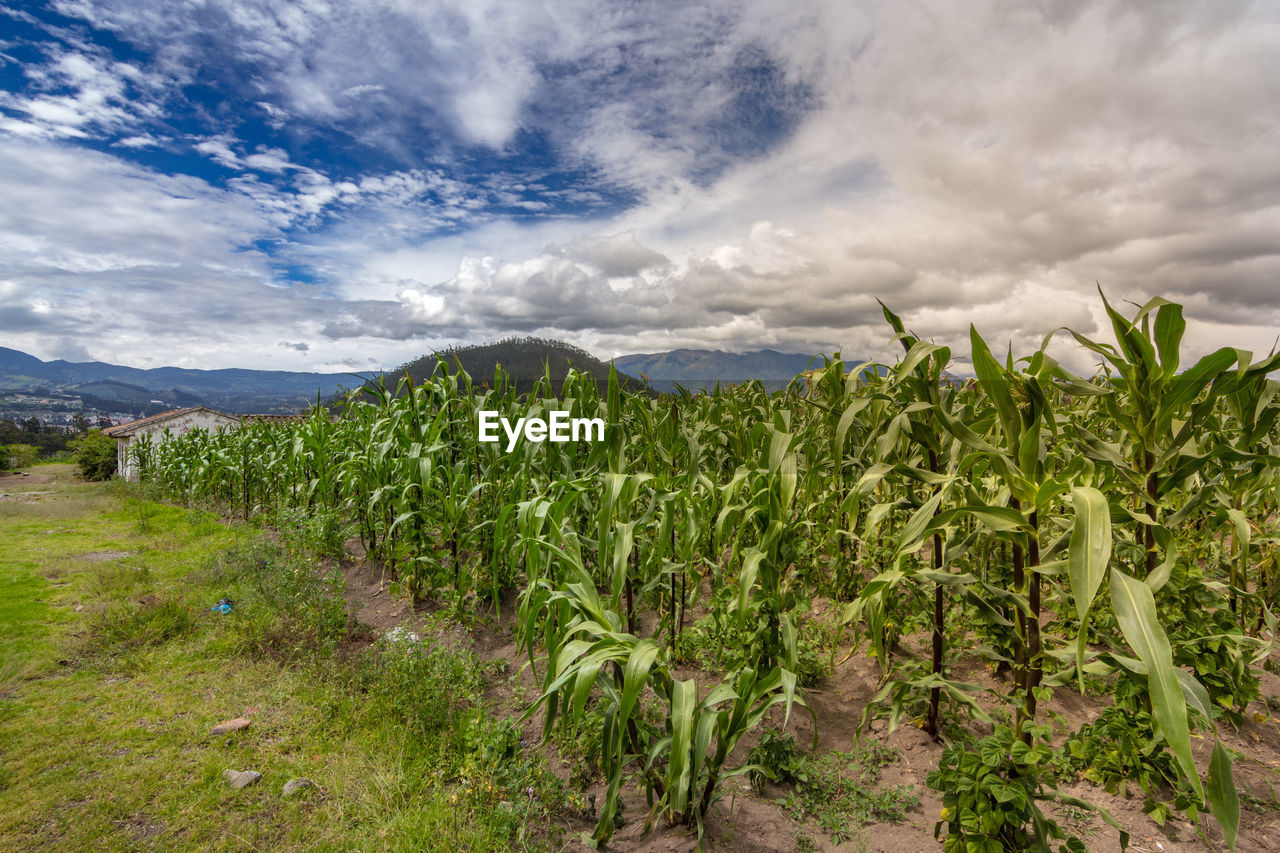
pixel 778 443
pixel 1135 608
pixel 896 322
pixel 751 559
pixel 623 542
pixel 1087 558
pixel 787 627
pixel 874 474
pixel 846 421
pixel 1169 330
pixel 1223 799
pixel 1075 386
pixel 1099 449
pixel 1137 349
pixel 995 384
pixel 635 674
pixel 684 699
pixel 1160 574
pixel 586 679
pixel 917 353
pixel 707 719
pixel 888 438
pixel 915 530
pixel 1186 386
pixel 1240 525
pixel 787 473
pixel 1003 519
pixel 1029 447
pixel 1197 696
pixel 788 682
pixel 966 436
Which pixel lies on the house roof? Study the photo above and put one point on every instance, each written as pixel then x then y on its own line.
pixel 133 426
pixel 274 419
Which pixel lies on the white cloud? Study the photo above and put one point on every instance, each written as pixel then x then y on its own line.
pixel 79 93
pixel 983 163
pixel 265 159
pixel 144 269
pixel 144 140
pixel 362 91
pixel 219 150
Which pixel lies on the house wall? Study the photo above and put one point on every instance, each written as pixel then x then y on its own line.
pixel 162 430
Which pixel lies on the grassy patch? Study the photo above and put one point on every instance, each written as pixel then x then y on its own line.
pixel 116 670
pixel 24 622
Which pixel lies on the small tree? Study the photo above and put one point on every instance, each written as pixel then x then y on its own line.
pixel 96 456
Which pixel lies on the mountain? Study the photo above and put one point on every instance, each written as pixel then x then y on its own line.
pixel 134 389
pixel 54 390
pixel 697 369
pixel 524 359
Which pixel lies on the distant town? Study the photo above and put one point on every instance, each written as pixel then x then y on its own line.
pixel 66 411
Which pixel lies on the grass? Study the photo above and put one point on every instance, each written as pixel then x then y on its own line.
pixel 115 671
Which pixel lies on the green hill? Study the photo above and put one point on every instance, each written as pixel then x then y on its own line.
pixel 525 359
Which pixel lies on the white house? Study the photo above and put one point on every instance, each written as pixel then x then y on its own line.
pixel 159 427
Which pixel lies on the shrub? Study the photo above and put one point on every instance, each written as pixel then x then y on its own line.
pixel 96 456
pixel 16 456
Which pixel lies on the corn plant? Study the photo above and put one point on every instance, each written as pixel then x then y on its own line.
pixel 1137 506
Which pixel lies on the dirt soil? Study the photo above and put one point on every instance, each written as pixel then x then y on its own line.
pixel 24 485
pixel 743 821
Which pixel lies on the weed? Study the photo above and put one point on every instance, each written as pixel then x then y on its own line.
pixel 124 625
pixel 425 688
pixel 989 796
pixel 719 642
pixel 1122 746
pixel 283 605
pixel 805 843
pixel 315 530
pixel 583 743
pixel 119 580
pixel 502 778
pixel 777 759
pixel 839 790
pixel 91 756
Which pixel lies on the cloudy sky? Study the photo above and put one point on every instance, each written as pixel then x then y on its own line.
pixel 321 185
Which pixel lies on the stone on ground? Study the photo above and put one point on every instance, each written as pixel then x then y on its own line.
pixel 241 778
pixel 293 786
pixel 226 728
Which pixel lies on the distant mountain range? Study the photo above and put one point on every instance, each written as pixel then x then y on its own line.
pixel 56 389
pixel 698 369
pixel 112 387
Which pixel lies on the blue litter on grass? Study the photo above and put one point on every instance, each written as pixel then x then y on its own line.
pixel 223 606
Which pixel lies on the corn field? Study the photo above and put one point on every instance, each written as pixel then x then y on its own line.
pixel 1112 534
